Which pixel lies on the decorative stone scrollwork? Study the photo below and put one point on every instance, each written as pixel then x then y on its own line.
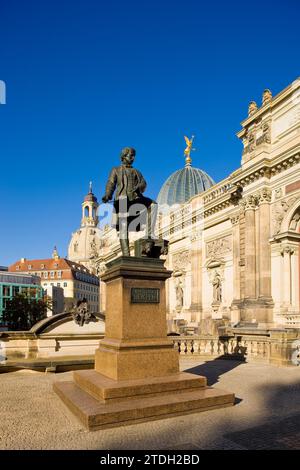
pixel 81 313
pixel 235 219
pixel 196 235
pixel 287 249
pixel 265 133
pixel 264 196
pixel 249 202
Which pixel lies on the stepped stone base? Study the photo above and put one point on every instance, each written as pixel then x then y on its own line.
pixel 100 402
pixel 136 376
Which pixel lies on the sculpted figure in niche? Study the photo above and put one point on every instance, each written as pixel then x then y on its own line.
pixel 179 295
pixel 294 222
pixel 217 287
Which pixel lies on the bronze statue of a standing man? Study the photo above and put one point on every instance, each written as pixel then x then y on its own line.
pixel 132 210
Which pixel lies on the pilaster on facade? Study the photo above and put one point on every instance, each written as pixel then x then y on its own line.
pixel 236 253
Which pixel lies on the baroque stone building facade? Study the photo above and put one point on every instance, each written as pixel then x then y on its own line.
pixel 234 248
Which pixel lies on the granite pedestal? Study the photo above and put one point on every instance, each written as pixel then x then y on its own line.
pixel 136 376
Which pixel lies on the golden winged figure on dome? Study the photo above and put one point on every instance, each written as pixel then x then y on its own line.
pixel 188 149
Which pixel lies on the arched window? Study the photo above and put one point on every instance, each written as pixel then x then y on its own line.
pixel 86 211
pixel 94 212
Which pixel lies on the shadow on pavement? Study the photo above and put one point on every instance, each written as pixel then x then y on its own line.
pixel 212 370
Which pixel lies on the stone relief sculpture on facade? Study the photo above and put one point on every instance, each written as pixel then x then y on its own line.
pixel 94 248
pixel 219 247
pixel 266 128
pixel 181 261
pixel 278 193
pixel 278 212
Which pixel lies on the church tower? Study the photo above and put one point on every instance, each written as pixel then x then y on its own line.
pixel 89 210
pixel 85 242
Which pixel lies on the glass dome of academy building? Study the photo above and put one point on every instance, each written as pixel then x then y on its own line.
pixel 184 183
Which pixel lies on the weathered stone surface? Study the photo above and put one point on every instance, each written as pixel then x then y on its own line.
pixel 136 376
pixel 95 414
pixel 102 388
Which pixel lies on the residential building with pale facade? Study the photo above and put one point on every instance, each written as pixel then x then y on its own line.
pixel 75 279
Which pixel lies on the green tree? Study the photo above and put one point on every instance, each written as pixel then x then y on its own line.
pixel 22 312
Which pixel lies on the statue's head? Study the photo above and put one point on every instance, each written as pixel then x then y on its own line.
pixel 128 155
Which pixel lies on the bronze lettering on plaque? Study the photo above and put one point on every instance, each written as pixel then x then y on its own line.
pixel 145 295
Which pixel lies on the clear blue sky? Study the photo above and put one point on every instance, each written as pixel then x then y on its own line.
pixel 88 77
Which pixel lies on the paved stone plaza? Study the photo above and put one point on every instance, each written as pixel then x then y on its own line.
pixel 266 414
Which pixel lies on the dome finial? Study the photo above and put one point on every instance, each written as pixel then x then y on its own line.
pixel 187 151
pixel 90 188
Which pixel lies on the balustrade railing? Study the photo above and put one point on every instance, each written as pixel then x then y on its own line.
pixel 213 346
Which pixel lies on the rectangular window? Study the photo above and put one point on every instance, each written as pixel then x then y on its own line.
pixel 52 274
pixel 59 273
pixel 6 291
pixel 15 290
pixel 45 274
pixel 58 284
pixel 65 284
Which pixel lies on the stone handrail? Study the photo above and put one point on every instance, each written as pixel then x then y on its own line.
pixel 216 191
pixel 213 346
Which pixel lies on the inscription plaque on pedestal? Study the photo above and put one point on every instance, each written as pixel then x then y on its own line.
pixel 144 295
